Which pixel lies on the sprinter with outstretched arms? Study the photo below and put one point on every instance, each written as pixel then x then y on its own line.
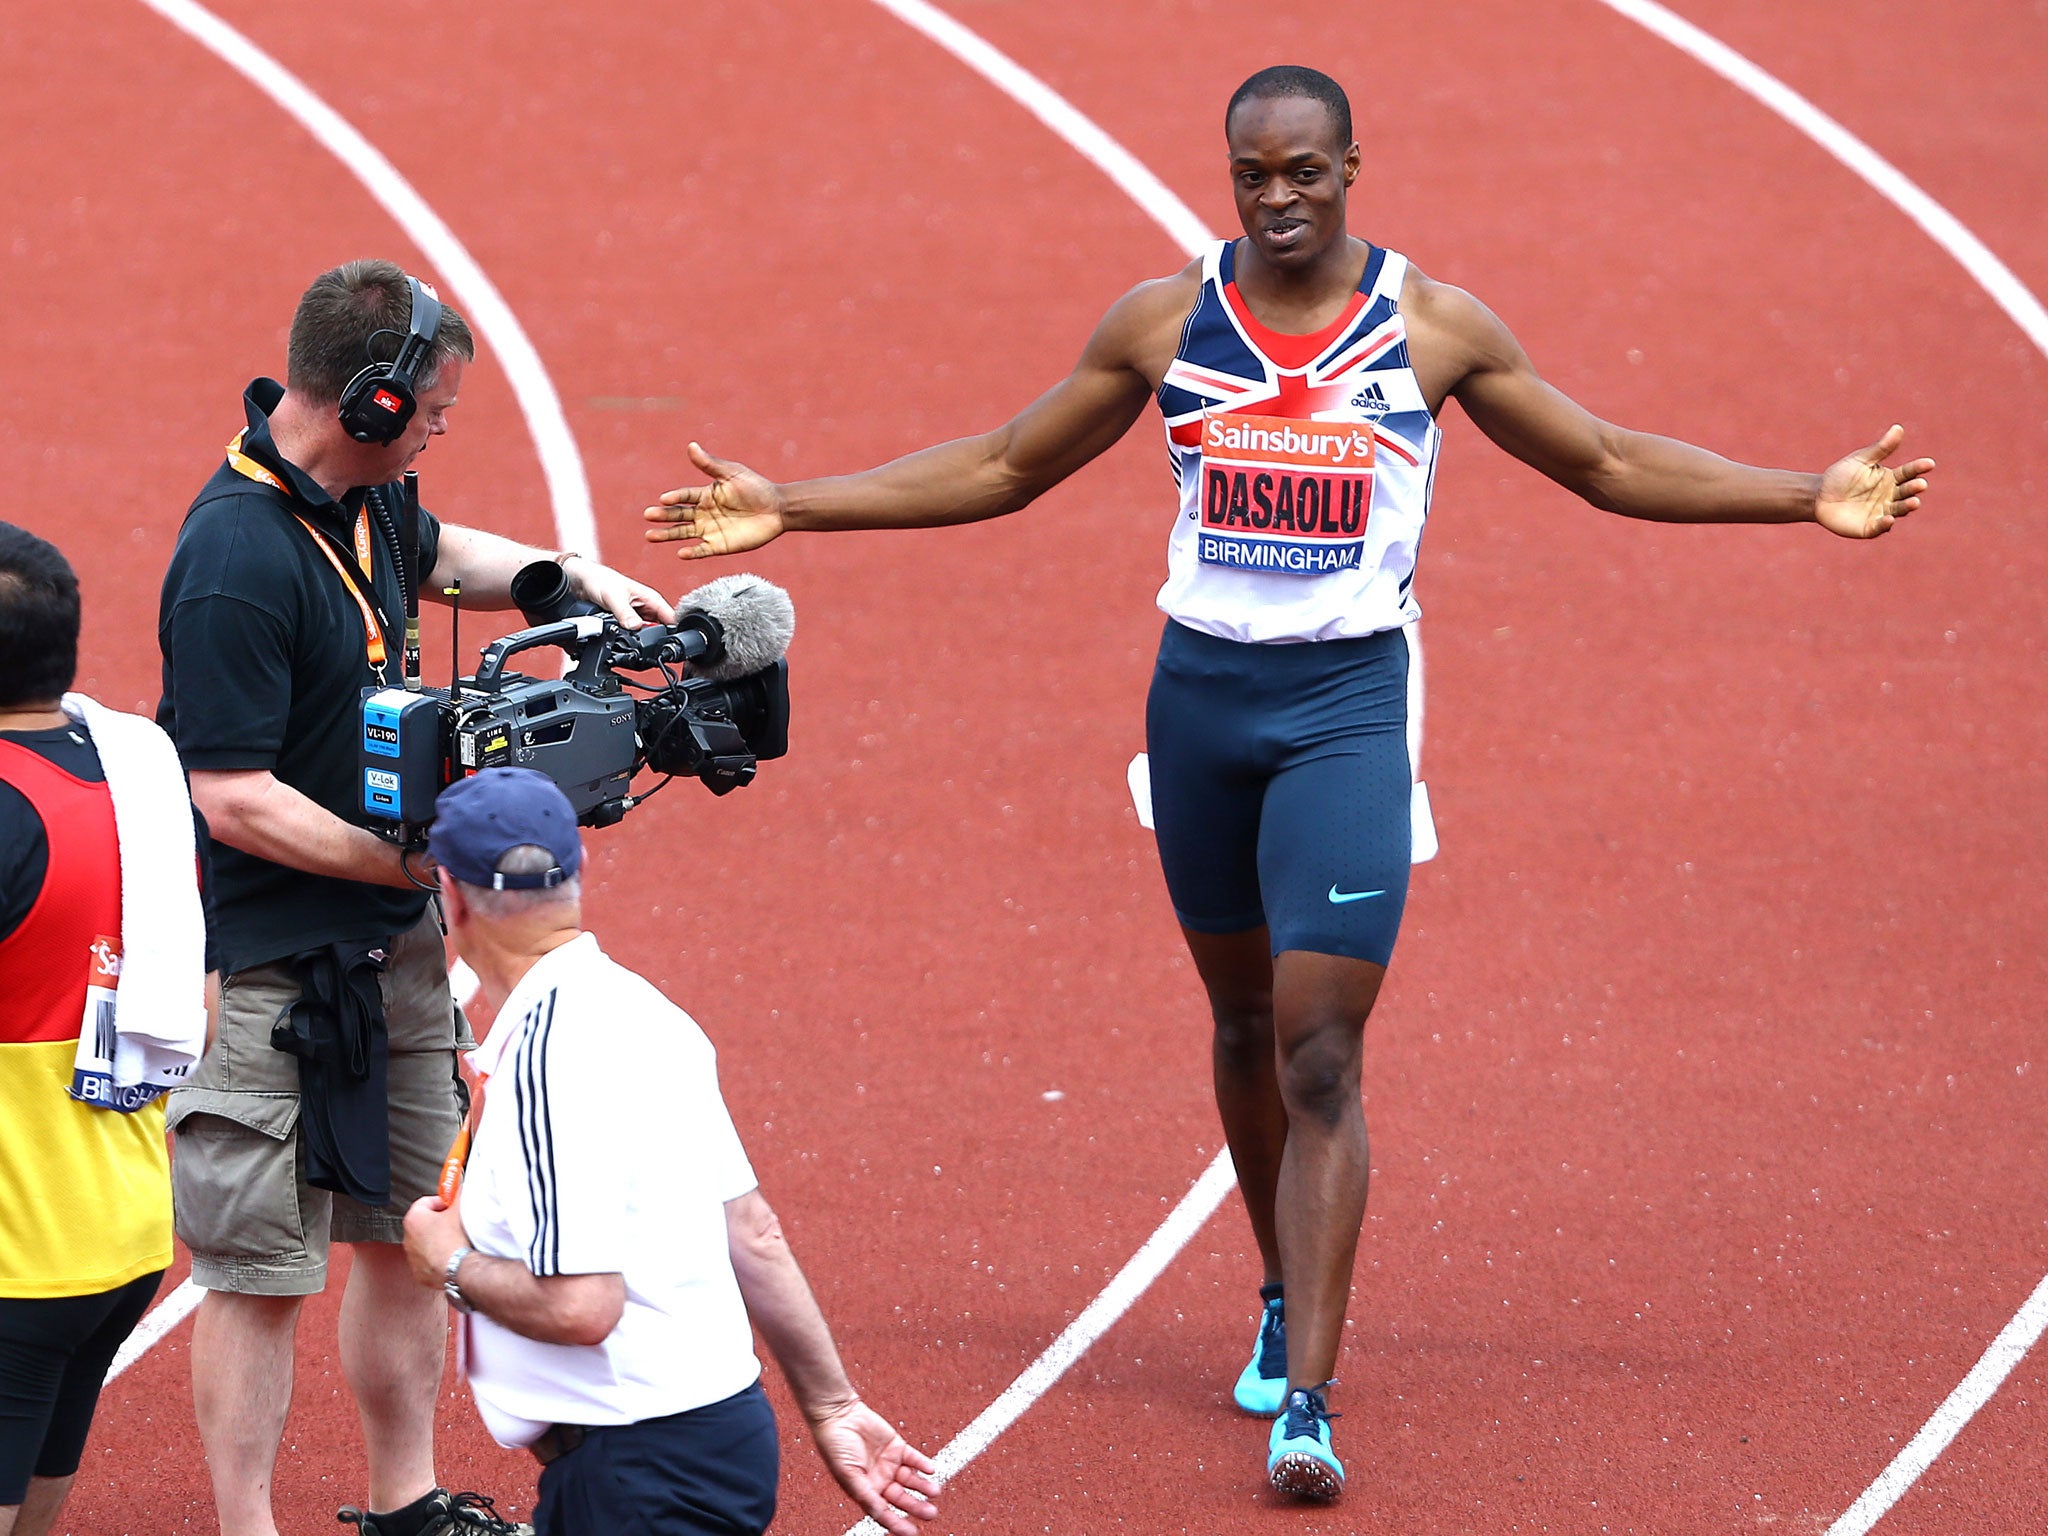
pixel 1299 372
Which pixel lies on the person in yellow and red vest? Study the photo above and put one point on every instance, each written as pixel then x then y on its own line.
pixel 105 1001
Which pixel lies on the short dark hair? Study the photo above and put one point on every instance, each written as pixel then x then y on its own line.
pixel 354 315
pixel 38 620
pixel 1296 80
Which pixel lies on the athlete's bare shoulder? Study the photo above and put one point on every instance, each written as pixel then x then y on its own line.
pixel 1141 330
pixel 1450 333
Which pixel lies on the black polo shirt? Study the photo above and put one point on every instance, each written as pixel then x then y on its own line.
pixel 265 665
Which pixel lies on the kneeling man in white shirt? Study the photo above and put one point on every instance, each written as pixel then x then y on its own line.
pixel 609 1242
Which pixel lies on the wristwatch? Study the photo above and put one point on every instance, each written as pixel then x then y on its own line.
pixel 451 1285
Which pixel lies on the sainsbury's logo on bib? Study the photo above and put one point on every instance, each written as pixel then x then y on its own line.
pixel 1284 495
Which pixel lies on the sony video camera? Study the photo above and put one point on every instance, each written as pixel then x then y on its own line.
pixel 585 730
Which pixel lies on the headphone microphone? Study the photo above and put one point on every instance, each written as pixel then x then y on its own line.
pixel 381 399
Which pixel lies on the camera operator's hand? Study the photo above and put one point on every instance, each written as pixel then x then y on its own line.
pixel 739 510
pixel 619 595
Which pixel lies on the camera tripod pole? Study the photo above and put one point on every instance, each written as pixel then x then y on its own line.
pixel 409 539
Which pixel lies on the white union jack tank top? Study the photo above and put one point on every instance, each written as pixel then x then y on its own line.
pixel 1305 465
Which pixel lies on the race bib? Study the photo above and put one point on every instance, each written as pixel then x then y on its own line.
pixel 92 1072
pixel 1284 495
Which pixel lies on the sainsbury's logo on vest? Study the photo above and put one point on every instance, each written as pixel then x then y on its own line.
pixel 1278 440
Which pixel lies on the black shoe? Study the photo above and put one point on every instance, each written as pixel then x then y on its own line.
pixel 449 1514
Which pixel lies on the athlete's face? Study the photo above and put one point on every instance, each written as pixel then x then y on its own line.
pixel 1289 175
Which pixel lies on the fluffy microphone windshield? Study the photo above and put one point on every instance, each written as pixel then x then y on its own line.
pixel 756 615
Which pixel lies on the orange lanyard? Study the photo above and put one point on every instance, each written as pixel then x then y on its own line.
pixel 373 632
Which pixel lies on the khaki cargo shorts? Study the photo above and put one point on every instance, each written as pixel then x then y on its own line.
pixel 238 1173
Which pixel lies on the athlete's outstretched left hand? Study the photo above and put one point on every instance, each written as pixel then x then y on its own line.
pixel 1861 496
pixel 882 1472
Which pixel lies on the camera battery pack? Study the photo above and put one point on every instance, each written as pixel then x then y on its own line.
pixel 402 755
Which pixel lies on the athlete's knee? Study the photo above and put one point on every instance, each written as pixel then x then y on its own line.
pixel 1319 1072
pixel 1244 1030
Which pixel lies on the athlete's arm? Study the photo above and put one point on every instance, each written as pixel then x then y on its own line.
pixel 1638 474
pixel 964 481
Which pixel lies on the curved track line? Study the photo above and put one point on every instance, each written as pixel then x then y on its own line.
pixel 2013 1341
pixel 2025 311
pixel 1096 1319
pixel 1884 178
pixel 561 462
pixel 1053 110
pixel 163 1317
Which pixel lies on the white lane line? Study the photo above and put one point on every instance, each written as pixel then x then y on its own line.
pixel 1053 110
pixel 2006 1351
pixel 2025 311
pixel 1145 1266
pixel 561 462
pixel 162 1318
pixel 1886 179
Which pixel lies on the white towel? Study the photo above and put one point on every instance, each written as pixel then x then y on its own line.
pixel 159 1008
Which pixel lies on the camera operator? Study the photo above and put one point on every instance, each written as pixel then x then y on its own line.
pixel 282 604
pixel 621 1243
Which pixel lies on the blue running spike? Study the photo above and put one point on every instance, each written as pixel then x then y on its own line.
pixel 1262 1386
pixel 1300 1461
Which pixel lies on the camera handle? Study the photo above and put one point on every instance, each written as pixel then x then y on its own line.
pixel 588 637
pixel 573 635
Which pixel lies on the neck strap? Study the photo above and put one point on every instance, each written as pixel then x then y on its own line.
pixel 357 581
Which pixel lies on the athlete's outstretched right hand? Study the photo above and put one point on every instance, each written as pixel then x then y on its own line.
pixel 739 510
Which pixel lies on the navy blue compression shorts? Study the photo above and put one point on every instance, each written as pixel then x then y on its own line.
pixel 1280 788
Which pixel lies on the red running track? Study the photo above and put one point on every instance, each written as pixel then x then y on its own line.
pixel 1706 1091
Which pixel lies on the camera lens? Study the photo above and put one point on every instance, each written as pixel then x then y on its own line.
pixel 541 592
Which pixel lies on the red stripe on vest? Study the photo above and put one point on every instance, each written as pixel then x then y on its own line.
pixel 46 962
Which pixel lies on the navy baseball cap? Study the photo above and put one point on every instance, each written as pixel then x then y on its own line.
pixel 480 819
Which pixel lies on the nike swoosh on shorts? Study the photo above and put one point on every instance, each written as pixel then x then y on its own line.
pixel 1338 898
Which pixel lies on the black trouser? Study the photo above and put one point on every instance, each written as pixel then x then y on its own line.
pixel 54 1354
pixel 708 1472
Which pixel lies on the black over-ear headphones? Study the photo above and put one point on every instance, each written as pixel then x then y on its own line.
pixel 381 399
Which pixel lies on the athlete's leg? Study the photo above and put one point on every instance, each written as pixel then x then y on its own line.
pixel 241 1391
pixel 1208 788
pixel 1320 1007
pixel 1237 970
pixel 37 1513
